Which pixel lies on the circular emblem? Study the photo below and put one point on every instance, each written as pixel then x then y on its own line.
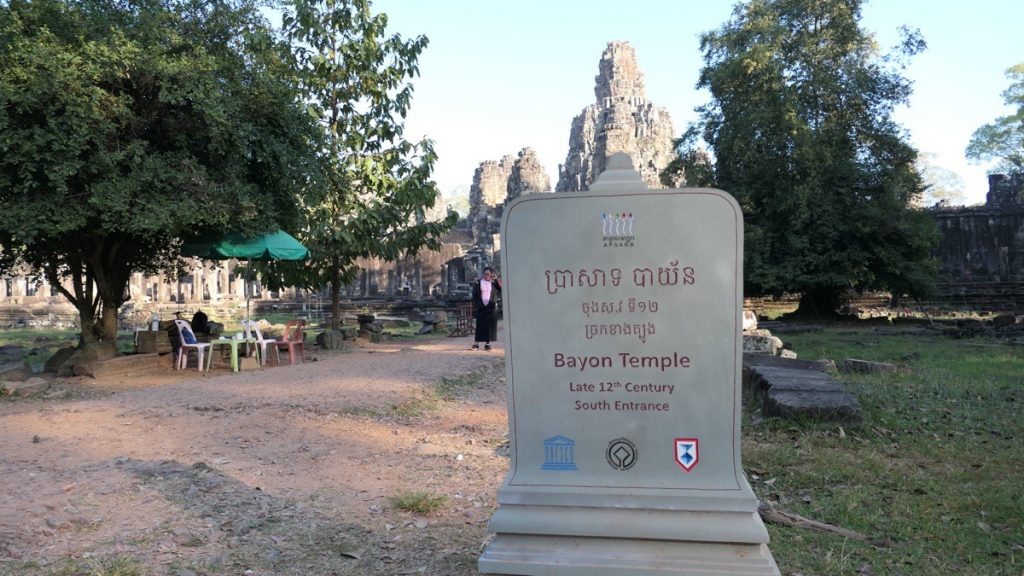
pixel 621 454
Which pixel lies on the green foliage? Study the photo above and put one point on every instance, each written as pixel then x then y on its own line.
pixel 1002 141
pixel 374 187
pixel 801 132
pixel 127 126
pixel 930 477
pixel 418 501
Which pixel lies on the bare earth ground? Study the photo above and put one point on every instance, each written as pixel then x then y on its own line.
pixel 288 470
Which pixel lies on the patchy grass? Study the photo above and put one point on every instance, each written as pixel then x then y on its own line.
pixel 118 565
pixel 424 403
pixel 933 475
pixel 418 501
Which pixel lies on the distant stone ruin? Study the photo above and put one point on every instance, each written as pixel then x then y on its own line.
pixel 622 120
pixel 495 184
pixel 981 249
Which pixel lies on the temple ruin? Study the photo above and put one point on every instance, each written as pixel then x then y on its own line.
pixel 621 120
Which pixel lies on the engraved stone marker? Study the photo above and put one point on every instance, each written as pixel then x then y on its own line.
pixel 623 310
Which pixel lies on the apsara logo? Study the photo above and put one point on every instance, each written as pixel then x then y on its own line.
pixel 617 228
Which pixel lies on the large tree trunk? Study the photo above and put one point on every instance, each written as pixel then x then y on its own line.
pixel 820 303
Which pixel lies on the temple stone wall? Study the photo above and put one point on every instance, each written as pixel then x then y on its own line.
pixel 621 120
pixel 984 244
pixel 981 249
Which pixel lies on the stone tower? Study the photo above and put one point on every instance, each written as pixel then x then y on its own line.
pixel 495 183
pixel 490 185
pixel 528 176
pixel 622 120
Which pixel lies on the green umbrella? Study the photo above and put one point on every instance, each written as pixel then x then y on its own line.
pixel 278 245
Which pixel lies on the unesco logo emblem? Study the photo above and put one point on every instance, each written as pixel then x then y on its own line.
pixel 621 454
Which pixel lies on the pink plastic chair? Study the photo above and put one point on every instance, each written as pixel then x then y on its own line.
pixel 199 347
pixel 292 340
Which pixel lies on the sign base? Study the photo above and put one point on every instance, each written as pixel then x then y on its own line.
pixel 577 541
pixel 574 556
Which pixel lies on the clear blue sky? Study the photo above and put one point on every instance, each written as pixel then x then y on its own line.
pixel 498 76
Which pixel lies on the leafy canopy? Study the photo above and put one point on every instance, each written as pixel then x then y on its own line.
pixel 125 126
pixel 800 127
pixel 1002 141
pixel 374 190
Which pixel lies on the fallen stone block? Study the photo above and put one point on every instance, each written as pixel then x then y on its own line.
pixel 801 392
pixel 753 359
pixel 16 371
pixel 330 339
pixel 30 387
pixel 121 365
pixel 761 344
pixel 829 406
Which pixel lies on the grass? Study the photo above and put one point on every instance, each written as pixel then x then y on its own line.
pixel 39 343
pixel 932 477
pixel 423 403
pixel 113 565
pixel 418 501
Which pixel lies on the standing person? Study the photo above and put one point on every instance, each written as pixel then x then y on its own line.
pixel 485 296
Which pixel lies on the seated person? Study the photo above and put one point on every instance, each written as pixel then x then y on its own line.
pixel 201 325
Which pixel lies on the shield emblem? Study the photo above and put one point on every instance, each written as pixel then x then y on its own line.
pixel 687 453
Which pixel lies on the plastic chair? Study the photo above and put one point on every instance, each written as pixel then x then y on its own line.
pixel 252 330
pixel 292 340
pixel 200 347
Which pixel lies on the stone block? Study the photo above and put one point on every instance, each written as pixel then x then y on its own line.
pixel 30 387
pixel 749 320
pixel 150 342
pixel 828 406
pixel 751 359
pixel 16 371
pixel 801 392
pixel 330 339
pixel 761 344
pixel 120 366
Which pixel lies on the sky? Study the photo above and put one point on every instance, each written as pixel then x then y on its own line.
pixel 500 76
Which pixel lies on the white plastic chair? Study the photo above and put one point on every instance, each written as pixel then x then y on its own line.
pixel 200 347
pixel 252 330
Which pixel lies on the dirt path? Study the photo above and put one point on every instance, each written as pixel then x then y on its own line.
pixel 289 470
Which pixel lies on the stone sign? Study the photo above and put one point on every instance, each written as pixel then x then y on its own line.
pixel 623 311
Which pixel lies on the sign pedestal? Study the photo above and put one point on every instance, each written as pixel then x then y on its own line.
pixel 623 315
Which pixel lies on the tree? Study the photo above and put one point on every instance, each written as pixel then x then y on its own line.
pixel 375 188
pixel 801 132
pixel 1002 141
pixel 125 126
pixel 942 185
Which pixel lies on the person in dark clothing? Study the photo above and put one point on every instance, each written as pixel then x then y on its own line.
pixel 200 322
pixel 485 297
